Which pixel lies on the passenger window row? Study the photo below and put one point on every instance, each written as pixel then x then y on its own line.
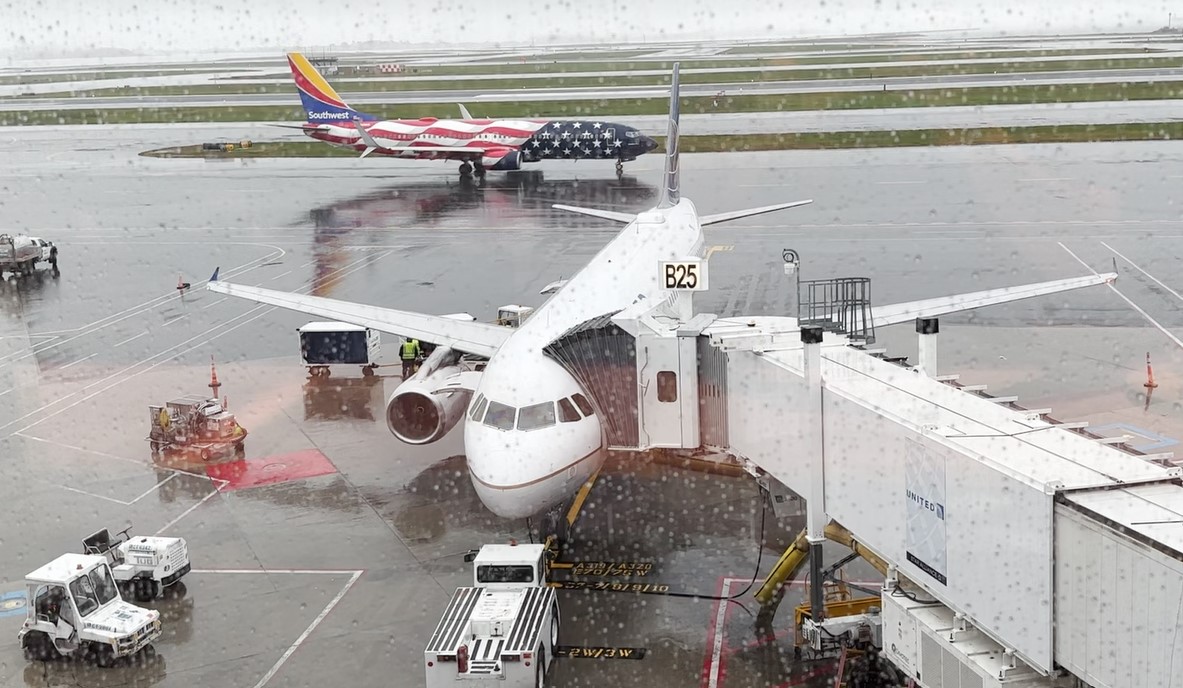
pixel 532 417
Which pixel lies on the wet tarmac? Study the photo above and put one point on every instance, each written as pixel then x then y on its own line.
pixel 327 552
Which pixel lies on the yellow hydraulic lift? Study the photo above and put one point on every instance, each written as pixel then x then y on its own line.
pixel 836 605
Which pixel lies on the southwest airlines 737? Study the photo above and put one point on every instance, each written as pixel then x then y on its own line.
pixel 532 435
pixel 480 144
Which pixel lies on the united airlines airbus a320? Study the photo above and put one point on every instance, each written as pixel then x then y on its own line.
pixel 532 434
pixel 481 144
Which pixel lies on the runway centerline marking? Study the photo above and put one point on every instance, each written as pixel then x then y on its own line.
pixel 1125 298
pixel 1045 179
pixel 901 182
pixel 1139 269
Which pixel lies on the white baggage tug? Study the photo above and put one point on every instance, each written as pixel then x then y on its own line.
pixel 503 628
pixel 74 607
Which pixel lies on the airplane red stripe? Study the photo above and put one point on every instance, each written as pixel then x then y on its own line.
pixel 305 85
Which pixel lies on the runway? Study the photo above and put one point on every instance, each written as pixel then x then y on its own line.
pixel 523 94
pixel 336 566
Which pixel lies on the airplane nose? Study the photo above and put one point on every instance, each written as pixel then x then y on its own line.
pixel 649 143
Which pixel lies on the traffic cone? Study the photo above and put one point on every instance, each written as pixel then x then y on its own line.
pixel 1150 383
pixel 213 376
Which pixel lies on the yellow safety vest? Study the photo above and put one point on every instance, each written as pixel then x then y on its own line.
pixel 410 350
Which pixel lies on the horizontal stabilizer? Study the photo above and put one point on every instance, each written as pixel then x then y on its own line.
pixel 931 308
pixel 624 218
pixel 737 214
pixel 481 339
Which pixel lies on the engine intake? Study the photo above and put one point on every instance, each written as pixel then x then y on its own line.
pixel 418 412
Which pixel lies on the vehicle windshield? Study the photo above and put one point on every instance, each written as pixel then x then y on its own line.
pixel 506 573
pixel 93 590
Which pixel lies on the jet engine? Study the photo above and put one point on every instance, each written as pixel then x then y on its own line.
pixel 422 409
pixel 510 162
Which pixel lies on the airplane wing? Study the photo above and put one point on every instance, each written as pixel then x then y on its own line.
pixel 930 308
pixel 481 339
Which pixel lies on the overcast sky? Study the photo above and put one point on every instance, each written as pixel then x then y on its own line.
pixel 228 25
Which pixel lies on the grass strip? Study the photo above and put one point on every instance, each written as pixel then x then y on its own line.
pixel 1152 131
pixel 627 81
pixel 997 95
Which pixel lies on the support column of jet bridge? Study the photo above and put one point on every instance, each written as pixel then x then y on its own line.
pixel 815 516
pixel 927 330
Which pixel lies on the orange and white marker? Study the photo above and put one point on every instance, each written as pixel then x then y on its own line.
pixel 1150 383
pixel 213 376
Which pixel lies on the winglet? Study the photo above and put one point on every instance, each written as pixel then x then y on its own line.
pixel 371 144
pixel 671 194
pixel 214 277
pixel 464 113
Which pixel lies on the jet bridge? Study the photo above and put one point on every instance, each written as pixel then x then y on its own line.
pixel 1019 548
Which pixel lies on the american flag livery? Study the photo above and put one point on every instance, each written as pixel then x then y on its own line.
pixel 495 144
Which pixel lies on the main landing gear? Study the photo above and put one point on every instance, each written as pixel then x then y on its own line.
pixel 467 168
pixel 619 168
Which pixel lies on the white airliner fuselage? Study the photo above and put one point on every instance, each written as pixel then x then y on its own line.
pixel 521 472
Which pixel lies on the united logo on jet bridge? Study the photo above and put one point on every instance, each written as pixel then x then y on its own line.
pixel 924 487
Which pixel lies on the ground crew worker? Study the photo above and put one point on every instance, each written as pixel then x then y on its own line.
pixel 409 352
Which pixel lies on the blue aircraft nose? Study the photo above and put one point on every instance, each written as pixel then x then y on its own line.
pixel 648 143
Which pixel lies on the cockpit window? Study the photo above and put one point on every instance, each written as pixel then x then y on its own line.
pixel 500 416
pixel 567 412
pixel 478 408
pixel 584 405
pixel 537 416
pixel 632 134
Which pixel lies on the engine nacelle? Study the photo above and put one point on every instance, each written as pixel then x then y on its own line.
pixel 509 162
pixel 418 412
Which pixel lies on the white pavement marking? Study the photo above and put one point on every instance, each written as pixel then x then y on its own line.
pixel 186 512
pixel 176 319
pixel 910 181
pixel 1125 298
pixel 131 339
pixel 215 303
pixel 349 268
pixel 1045 179
pixel 152 489
pixel 1139 269
pixel 87 358
pixel 308 631
pixel 717 641
pixel 117 457
pixel 280 275
pixel 126 313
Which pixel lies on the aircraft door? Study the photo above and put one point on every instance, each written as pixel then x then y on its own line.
pixel 609 136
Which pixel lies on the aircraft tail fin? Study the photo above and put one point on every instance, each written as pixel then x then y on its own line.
pixel 671 191
pixel 214 277
pixel 321 102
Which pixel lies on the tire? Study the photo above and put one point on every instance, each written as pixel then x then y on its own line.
pixel 540 669
pixel 554 629
pixel 145 589
pixel 367 372
pixel 205 455
pixel 38 647
pixel 104 656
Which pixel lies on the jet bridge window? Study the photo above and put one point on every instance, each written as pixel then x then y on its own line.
pixel 567 412
pixel 500 416
pixel 667 385
pixel 537 416
pixel 584 405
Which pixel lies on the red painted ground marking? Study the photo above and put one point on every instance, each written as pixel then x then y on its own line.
pixel 714 664
pixel 269 470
